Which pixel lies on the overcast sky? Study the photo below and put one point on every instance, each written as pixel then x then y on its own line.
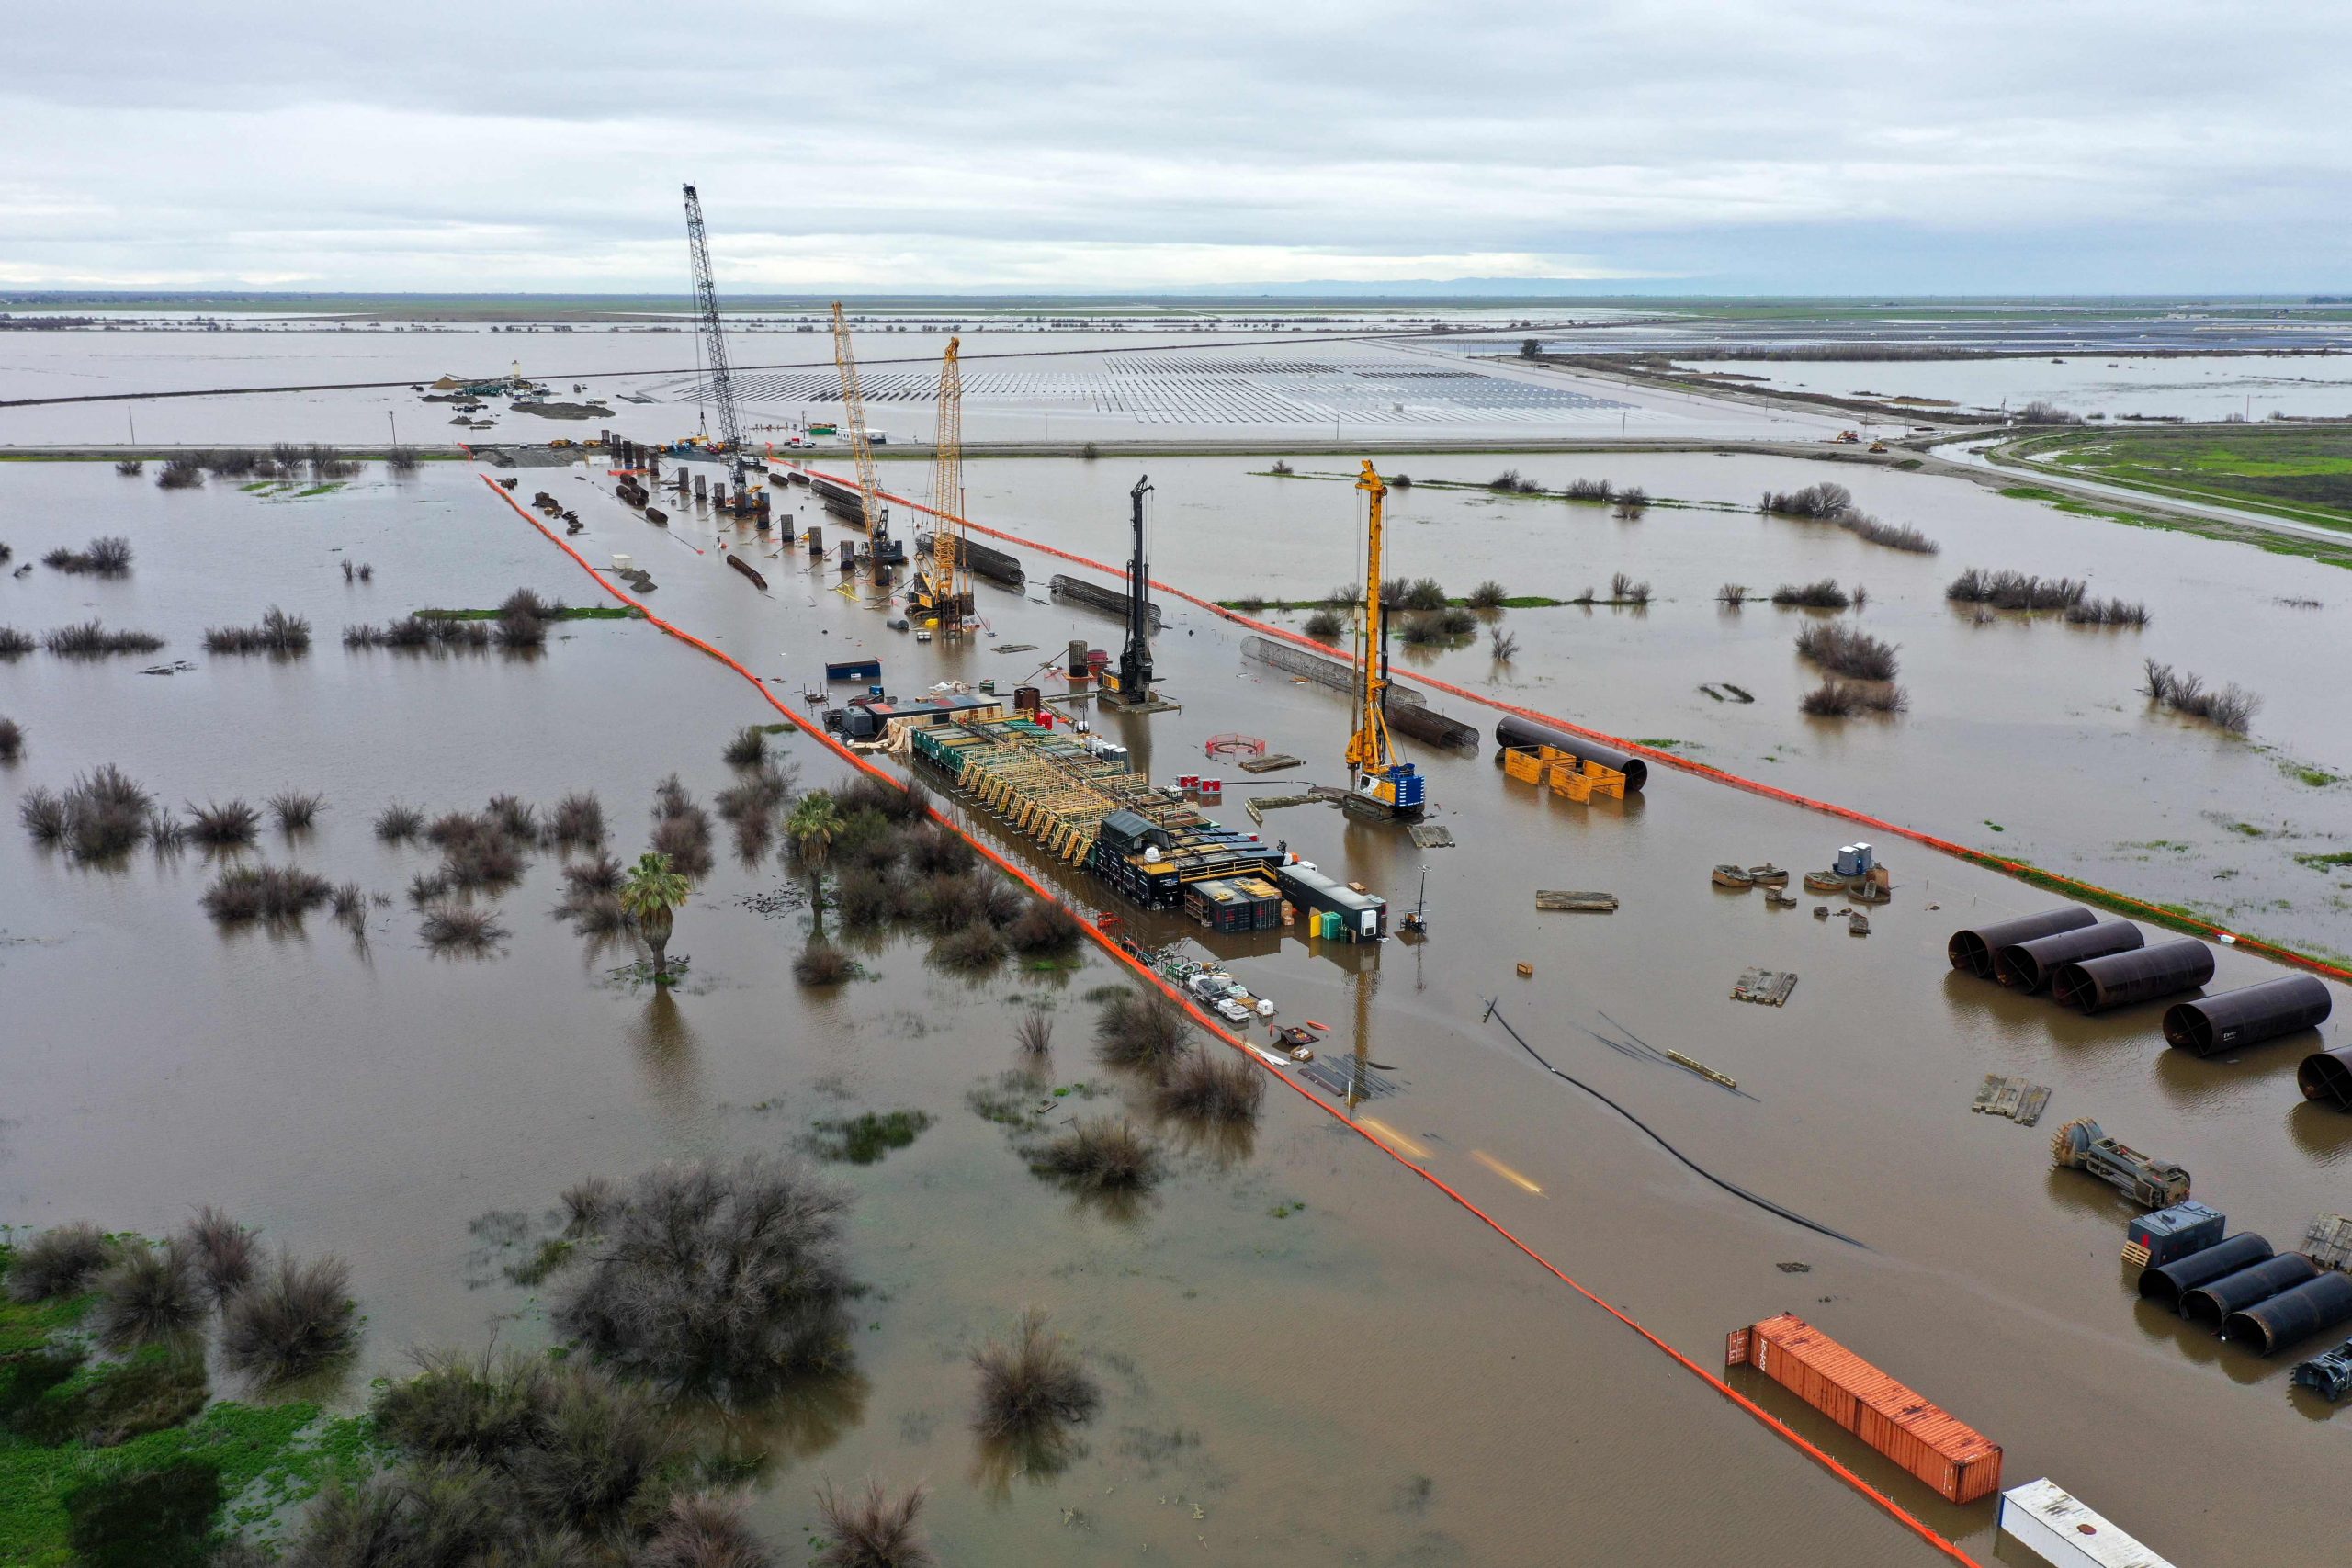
pixel 1972 146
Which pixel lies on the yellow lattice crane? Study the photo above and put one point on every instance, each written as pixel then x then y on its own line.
pixel 853 415
pixel 944 592
pixel 1381 786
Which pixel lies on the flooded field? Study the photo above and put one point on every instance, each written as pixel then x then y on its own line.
pixel 1310 1355
pixel 2252 386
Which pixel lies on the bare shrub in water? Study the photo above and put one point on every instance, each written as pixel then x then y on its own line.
pixel 719 1278
pixel 398 824
pixel 60 1261
pixel 460 930
pixel 2107 613
pixel 822 963
pixel 871 1530
pixel 1100 1155
pixel 291 1320
pixel 588 1204
pixel 748 749
pixel 1823 595
pixel 975 947
pixel 296 810
pixel 147 1293
pixel 219 825
pixel 703 1530
pixel 90 639
pixel 1732 594
pixel 1325 625
pixel 1030 1383
pixel 107 555
pixel 1893 536
pixel 1143 1031
pixel 1821 500
pixel 221 1250
pixel 1841 699
pixel 15 643
pixel 1035 1034
pixel 1215 1087
pixel 278 633
pixel 1845 650
pixel 578 819
pixel 1043 930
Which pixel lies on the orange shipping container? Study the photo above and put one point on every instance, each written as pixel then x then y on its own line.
pixel 1948 1455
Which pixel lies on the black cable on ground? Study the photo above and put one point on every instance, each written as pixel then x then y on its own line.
pixel 1733 1188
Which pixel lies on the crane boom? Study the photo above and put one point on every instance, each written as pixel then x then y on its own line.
pixel 853 412
pixel 714 340
pixel 951 585
pixel 1383 786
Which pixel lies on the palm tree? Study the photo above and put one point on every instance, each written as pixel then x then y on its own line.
pixel 813 824
pixel 650 895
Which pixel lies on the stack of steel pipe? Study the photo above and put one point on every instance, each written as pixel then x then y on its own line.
pixel 2166 1282
pixel 2249 1015
pixel 2141 975
pixel 2269 1325
pixel 1512 730
pixel 2027 965
pixel 1408 713
pixel 2212 1302
pixel 1973 948
pixel 1110 600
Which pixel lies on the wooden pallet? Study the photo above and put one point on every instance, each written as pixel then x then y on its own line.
pixel 2014 1098
pixel 1591 903
pixel 1766 988
pixel 1271 763
pixel 1427 836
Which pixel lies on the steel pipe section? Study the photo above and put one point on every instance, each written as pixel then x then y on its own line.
pixel 2290 1316
pixel 2326 1076
pixel 2212 1304
pixel 2249 1015
pixel 2027 965
pixel 2165 1283
pixel 1512 730
pixel 1972 949
pixel 2143 974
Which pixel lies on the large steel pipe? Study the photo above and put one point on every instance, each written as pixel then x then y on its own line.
pixel 2326 1076
pixel 1972 949
pixel 2167 1283
pixel 2249 1015
pixel 2269 1326
pixel 2143 974
pixel 2027 965
pixel 2212 1302
pixel 1512 730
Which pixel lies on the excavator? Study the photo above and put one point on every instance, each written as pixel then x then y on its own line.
pixel 1382 788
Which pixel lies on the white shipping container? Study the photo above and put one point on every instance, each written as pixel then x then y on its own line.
pixel 2050 1522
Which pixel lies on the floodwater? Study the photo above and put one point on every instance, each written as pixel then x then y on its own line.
pixel 1364 1377
pixel 1326 1363
pixel 1021 386
pixel 2249 387
pixel 2025 737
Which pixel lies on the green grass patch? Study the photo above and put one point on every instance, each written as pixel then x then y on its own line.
pixel 552 1254
pixel 2327 862
pixel 569 612
pixel 864 1139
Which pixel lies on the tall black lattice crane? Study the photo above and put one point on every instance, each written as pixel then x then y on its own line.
pixel 714 340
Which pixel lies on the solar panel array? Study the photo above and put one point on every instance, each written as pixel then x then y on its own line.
pixel 1203 389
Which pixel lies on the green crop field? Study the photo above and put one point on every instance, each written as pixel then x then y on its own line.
pixel 2295 471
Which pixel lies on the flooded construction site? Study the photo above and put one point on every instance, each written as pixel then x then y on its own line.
pixel 1308 1349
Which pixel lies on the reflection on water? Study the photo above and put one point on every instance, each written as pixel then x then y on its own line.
pixel 666 1052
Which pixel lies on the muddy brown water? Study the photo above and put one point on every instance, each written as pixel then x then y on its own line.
pixel 1297 1378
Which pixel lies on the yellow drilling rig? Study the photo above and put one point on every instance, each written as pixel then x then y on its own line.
pixel 1381 788
pixel 942 592
pixel 888 552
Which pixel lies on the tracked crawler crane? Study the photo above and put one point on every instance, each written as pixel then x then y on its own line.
pixel 1381 787
pixel 714 340
pixel 869 491
pixel 943 591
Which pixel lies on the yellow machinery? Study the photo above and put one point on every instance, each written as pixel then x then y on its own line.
pixel 1381 787
pixel 854 411
pixel 943 593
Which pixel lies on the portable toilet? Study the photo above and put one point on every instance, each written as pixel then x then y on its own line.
pixel 1854 859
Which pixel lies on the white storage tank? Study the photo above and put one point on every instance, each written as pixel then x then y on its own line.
pixel 2043 1517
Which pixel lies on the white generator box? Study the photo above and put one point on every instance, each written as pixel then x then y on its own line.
pixel 2046 1519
